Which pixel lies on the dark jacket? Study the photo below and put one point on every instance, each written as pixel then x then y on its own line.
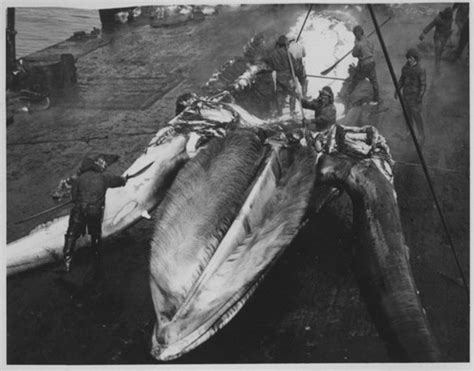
pixel 413 82
pixel 462 14
pixel 91 184
pixel 442 26
pixel 324 116
pixel 278 60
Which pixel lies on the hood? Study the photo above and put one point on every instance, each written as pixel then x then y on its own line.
pixel 88 164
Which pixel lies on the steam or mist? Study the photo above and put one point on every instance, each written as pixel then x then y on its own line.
pixel 327 36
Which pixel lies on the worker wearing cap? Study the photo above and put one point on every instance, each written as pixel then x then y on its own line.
pixel 364 51
pixel 324 110
pixel 298 52
pixel 442 25
pixel 279 61
pixel 413 85
pixel 88 195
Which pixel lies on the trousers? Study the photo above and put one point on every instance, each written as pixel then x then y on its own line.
pixel 83 216
pixel 362 72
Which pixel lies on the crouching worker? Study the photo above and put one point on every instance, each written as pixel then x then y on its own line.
pixel 88 196
pixel 324 110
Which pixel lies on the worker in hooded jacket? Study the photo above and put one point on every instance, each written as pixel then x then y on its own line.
pixel 413 86
pixel 88 197
pixel 324 110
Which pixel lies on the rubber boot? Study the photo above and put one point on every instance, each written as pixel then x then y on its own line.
pixel 304 88
pixel 68 250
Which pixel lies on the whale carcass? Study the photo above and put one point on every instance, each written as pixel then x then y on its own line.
pixel 126 205
pixel 233 209
pixel 232 192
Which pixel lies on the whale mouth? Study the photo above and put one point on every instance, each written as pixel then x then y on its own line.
pixel 209 254
pixel 234 208
pixel 206 260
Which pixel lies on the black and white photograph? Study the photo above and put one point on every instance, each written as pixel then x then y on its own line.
pixel 236 184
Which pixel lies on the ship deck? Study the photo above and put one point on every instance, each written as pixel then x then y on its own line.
pixel 308 309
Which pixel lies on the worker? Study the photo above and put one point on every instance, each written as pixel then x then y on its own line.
pixel 88 197
pixel 364 51
pixel 413 85
pixel 298 52
pixel 279 61
pixel 324 110
pixel 442 25
pixel 462 22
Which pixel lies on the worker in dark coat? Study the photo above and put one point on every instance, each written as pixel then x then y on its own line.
pixel 413 86
pixel 364 51
pixel 88 196
pixel 324 110
pixel 442 25
pixel 462 21
pixel 279 61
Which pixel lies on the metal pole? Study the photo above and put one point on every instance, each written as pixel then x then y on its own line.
pixel 295 81
pixel 417 145
pixel 307 15
pixel 305 129
pixel 327 78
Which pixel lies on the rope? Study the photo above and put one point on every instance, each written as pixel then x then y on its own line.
pixel 417 145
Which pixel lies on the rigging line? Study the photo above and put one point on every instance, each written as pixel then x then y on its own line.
pixel 417 145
